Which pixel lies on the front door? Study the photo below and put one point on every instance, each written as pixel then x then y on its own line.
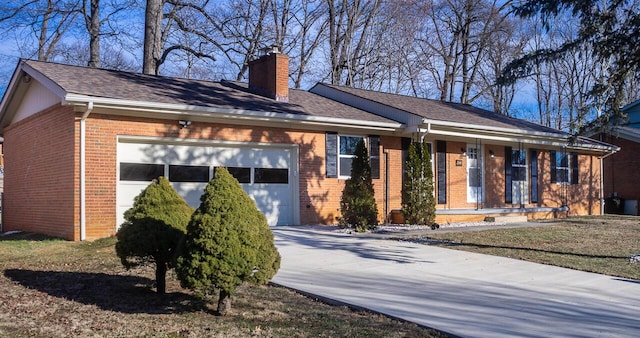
pixel 519 182
pixel 475 179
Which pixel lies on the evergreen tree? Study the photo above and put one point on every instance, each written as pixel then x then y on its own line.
pixel 358 205
pixel 611 29
pixel 153 228
pixel 418 202
pixel 228 242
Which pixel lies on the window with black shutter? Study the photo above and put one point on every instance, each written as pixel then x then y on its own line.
pixel 331 155
pixel 406 142
pixel 374 156
pixel 561 168
pixel 534 175
pixel 552 155
pixel 441 164
pixel 574 168
pixel 508 198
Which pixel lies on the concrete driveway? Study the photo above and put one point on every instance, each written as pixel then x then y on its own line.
pixel 465 294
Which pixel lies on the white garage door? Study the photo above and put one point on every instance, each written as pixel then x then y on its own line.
pixel 264 171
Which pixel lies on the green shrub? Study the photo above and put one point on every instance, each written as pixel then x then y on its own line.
pixel 228 242
pixel 153 228
pixel 358 205
pixel 418 202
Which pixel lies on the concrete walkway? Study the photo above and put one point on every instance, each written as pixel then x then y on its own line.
pixel 462 293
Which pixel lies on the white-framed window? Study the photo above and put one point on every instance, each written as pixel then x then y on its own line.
pixel 519 165
pixel 562 168
pixel 340 150
pixel 346 153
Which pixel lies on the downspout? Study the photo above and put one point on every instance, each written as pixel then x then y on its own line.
pixel 386 185
pixel 423 135
pixel 83 204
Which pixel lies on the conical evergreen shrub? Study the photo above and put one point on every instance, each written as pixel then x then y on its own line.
pixel 153 228
pixel 228 242
pixel 357 204
pixel 418 202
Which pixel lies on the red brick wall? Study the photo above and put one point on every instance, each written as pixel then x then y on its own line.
pixel 582 199
pixel 319 196
pixel 622 169
pixel 41 190
pixel 270 74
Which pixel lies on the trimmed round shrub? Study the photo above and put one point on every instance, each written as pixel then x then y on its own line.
pixel 228 242
pixel 153 229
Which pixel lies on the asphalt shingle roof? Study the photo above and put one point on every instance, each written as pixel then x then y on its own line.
pixel 224 95
pixel 446 111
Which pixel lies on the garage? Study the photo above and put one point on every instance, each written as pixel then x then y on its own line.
pixel 266 172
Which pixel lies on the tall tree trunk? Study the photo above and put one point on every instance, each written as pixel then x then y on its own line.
pixel 224 303
pixel 161 277
pixel 93 27
pixel 152 37
pixel 42 39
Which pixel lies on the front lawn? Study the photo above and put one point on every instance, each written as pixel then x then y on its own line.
pixel 601 244
pixel 54 288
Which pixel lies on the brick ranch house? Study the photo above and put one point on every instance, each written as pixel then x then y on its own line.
pixel 620 170
pixel 80 143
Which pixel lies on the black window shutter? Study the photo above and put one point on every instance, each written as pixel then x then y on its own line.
pixel 507 176
pixel 374 156
pixel 441 164
pixel 574 168
pixel 331 154
pixel 534 175
pixel 405 142
pixel 554 175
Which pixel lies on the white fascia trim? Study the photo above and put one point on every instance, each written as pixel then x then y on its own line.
pixel 45 81
pixel 191 110
pixel 509 131
pixel 505 138
pixel 10 90
pixel 201 142
pixel 515 139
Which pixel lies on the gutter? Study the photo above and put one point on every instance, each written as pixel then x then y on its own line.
pixel 508 131
pixel 83 175
pixel 237 114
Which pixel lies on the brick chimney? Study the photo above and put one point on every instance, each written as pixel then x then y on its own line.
pixel 269 75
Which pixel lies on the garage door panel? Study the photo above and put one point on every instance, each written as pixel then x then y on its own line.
pixel 269 166
pixel 126 193
pixel 141 153
pixel 271 158
pixel 273 200
pixel 191 192
pixel 191 155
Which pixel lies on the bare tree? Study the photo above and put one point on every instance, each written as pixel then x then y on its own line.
pixel 153 33
pixel 92 21
pixel 459 34
pixel 506 43
pixel 350 24
pixel 308 22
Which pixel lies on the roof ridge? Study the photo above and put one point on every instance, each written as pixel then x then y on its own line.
pixel 450 104
pixel 29 61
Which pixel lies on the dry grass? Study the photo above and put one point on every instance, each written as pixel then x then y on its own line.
pixel 54 288
pixel 600 244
